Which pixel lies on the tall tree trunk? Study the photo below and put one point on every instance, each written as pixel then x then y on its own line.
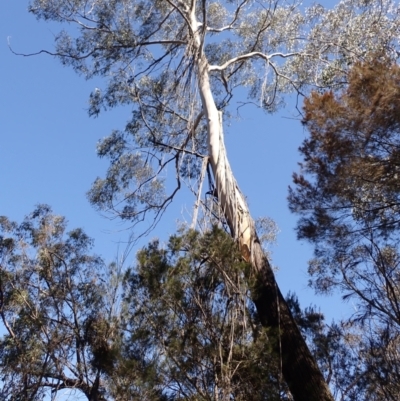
pixel 299 368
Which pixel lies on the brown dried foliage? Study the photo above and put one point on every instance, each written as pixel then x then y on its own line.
pixel 352 157
pixel 348 199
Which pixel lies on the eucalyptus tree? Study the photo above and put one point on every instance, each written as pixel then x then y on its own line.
pixel 178 63
pixel 59 331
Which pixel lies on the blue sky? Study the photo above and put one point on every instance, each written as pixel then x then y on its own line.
pixel 47 152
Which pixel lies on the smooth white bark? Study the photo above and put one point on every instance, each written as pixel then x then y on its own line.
pixel 231 200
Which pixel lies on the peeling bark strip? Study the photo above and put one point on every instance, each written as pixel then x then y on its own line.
pixel 299 368
pixel 197 204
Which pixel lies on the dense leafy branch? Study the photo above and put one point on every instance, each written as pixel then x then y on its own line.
pixel 191 301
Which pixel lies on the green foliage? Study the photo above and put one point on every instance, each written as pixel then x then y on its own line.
pixel 185 329
pixel 338 350
pixel 159 56
pixel 148 54
pixel 190 310
pixel 51 299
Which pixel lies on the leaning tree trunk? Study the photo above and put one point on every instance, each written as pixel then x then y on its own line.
pixel 299 368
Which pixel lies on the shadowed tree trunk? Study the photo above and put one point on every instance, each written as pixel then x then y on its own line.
pixel 299 368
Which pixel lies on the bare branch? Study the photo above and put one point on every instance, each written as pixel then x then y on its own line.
pixel 251 55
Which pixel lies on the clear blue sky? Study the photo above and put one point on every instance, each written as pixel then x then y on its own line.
pixel 47 152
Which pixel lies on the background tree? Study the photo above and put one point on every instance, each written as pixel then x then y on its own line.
pixel 61 333
pixel 190 331
pixel 190 311
pixel 190 328
pixel 348 200
pixel 178 63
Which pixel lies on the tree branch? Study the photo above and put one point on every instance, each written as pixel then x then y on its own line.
pixel 230 25
pixel 247 56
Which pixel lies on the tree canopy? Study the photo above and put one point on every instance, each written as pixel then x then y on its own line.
pixel 190 304
pixel 185 327
pixel 60 327
pixel 348 198
pixel 153 54
pixel 178 63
